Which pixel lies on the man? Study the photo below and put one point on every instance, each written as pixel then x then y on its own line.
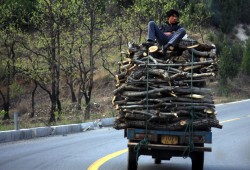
pixel 167 35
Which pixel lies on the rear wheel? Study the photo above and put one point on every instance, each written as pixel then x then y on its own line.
pixel 157 161
pixel 132 162
pixel 198 160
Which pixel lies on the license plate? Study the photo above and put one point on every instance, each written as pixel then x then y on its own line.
pixel 169 140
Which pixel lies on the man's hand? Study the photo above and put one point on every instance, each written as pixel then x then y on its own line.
pixel 168 33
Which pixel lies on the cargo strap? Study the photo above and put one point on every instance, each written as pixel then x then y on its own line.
pixel 145 141
pixel 189 128
pixel 142 143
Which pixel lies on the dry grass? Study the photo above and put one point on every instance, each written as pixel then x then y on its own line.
pixel 238 89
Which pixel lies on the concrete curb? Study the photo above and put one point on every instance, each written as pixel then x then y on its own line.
pixel 24 134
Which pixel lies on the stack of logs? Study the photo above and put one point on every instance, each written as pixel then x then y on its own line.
pixel 166 91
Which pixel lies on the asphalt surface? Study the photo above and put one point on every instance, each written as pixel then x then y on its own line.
pixel 230 148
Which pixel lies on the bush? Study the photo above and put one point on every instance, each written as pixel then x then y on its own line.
pixel 245 65
pixel 230 58
pixel 22 109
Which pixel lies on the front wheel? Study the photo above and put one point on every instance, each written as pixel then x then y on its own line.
pixel 132 162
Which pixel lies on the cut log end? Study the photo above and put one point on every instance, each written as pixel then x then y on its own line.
pixel 153 49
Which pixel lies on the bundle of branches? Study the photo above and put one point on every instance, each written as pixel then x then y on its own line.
pixel 166 91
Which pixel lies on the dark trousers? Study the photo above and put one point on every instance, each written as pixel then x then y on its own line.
pixel 154 33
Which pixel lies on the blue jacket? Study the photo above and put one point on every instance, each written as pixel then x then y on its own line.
pixel 169 27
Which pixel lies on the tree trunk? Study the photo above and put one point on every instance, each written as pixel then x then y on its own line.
pixel 5 107
pixel 71 87
pixel 79 98
pixel 59 107
pixel 6 104
pixel 53 108
pixel 33 100
pixel 87 109
pixel 53 66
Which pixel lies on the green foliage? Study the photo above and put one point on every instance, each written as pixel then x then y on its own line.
pixel 230 57
pixel 16 90
pixel 2 112
pixel 196 14
pixel 17 12
pixel 227 14
pixel 2 71
pixel 245 65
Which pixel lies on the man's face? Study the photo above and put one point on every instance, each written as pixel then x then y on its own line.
pixel 173 19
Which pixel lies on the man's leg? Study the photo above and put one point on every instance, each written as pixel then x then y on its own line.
pixel 154 33
pixel 177 36
pixel 174 39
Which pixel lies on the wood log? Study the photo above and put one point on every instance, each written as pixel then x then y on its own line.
pixel 205 47
pixel 120 82
pixel 136 116
pixel 125 67
pixel 153 49
pixel 159 72
pixel 178 64
pixel 139 54
pixel 119 89
pixel 125 62
pixel 144 93
pixel 200 53
pixel 144 106
pixel 192 104
pixel 191 67
pixel 151 58
pixel 195 75
pixel 196 108
pixel 120 76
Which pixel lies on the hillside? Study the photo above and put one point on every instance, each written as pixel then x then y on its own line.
pixel 64 48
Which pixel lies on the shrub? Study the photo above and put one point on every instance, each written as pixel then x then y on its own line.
pixel 245 65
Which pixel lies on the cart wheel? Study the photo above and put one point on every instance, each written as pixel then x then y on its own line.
pixel 132 163
pixel 198 159
pixel 157 161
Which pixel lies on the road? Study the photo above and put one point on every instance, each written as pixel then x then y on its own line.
pixel 98 149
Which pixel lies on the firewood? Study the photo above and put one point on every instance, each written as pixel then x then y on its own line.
pixel 153 49
pixel 166 91
pixel 144 93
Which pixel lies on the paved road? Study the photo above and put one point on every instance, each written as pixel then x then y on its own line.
pixel 231 150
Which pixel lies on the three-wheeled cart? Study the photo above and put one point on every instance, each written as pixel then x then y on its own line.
pixel 162 145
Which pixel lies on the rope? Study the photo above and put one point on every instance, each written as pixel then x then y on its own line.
pixel 137 147
pixel 189 127
pixel 144 142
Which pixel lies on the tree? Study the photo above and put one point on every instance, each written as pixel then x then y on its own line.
pixel 245 65
pixel 48 20
pixel 196 15
pixel 229 63
pixel 93 20
pixel 225 14
pixel 9 38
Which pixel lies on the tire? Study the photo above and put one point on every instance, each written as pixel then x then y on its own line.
pixel 157 161
pixel 132 162
pixel 198 160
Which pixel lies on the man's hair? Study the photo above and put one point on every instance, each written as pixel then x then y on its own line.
pixel 172 12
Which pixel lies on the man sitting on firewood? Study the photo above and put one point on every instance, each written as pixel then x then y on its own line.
pixel 167 35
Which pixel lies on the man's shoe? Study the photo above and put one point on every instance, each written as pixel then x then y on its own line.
pixel 148 43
